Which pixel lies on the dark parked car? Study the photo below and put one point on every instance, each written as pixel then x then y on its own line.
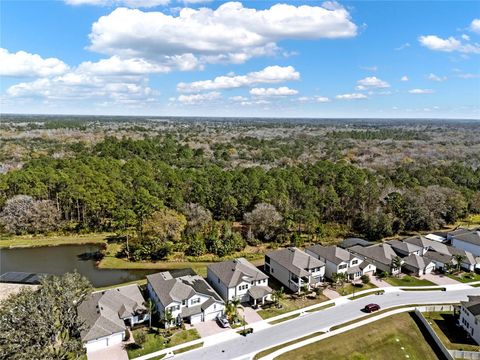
pixel 371 308
pixel 222 321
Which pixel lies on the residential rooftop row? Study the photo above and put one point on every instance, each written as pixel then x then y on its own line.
pixel 184 296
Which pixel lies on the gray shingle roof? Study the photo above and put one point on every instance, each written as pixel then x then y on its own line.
pixel 424 242
pixel 417 262
pixel 103 311
pixel 333 254
pixel 473 305
pixel 472 237
pixel 382 253
pixel 436 256
pixel 170 289
pixel 349 242
pixel 258 292
pixel 295 260
pixel 233 272
pixel 404 246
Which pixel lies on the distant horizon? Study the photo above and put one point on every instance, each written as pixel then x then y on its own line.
pixel 242 117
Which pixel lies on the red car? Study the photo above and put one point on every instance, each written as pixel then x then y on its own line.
pixel 371 308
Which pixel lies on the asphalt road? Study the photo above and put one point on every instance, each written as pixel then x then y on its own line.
pixel 312 322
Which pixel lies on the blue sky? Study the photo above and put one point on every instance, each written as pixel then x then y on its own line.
pixel 254 58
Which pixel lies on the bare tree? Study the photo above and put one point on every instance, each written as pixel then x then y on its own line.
pixel 23 214
pixel 264 220
pixel 197 217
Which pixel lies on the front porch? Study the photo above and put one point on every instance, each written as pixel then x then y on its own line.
pixel 259 295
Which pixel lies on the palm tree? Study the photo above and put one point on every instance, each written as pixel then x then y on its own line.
pixel 396 262
pixel 151 308
pixel 231 309
pixel 458 259
pixel 168 318
pixel 278 295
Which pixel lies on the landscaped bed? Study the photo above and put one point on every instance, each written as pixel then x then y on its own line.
pixel 290 303
pixel 156 340
pixel 392 338
pixel 407 280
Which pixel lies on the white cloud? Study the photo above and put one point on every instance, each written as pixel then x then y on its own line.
pixel 403 46
pixel 129 3
pixel 450 44
pixel 421 91
pixel 475 26
pixel 404 78
pixel 321 99
pixel 231 33
pixel 437 78
pixel 354 96
pixel 117 65
pixel 269 75
pixel 22 63
pixel 465 37
pixel 371 82
pixel 269 92
pixel 194 99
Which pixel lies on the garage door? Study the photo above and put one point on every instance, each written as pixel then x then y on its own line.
pixel 195 319
pixel 96 344
pixel 429 269
pixel 212 315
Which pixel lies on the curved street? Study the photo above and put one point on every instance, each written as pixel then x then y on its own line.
pixel 308 323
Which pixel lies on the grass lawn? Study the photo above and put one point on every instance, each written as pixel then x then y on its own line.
pixel 465 277
pixel 51 240
pixel 155 342
pixel 408 280
pixel 275 348
pixel 348 288
pixel 452 336
pixel 392 338
pixel 284 319
pixel 291 303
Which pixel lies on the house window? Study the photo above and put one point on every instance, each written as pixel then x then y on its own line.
pixel 195 301
pixel 294 278
pixel 219 280
pixel 354 262
pixel 184 302
pixel 267 260
pixel 340 267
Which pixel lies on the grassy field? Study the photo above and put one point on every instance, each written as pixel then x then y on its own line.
pixel 453 337
pixel 51 240
pixel 275 348
pixel 155 342
pixel 391 338
pixel 407 280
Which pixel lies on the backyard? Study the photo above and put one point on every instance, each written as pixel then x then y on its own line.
pixel 396 337
pixel 156 340
pixel 453 337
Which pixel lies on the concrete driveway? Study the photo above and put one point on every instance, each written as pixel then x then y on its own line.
pixel 208 328
pixel 114 352
pixel 439 279
pixel 379 282
pixel 251 315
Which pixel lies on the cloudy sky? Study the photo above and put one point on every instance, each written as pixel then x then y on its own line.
pixel 251 58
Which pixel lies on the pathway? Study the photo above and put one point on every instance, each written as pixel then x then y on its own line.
pixel 379 282
pixel 439 279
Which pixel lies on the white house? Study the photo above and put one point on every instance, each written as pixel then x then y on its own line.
pixel 418 265
pixel 380 255
pixel 294 268
pixel 468 241
pixel 239 279
pixel 470 317
pixel 339 261
pixel 186 297
pixel 108 313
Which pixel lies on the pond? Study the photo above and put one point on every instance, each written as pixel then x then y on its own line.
pixel 66 258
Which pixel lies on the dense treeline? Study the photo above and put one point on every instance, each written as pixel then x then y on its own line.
pixel 121 184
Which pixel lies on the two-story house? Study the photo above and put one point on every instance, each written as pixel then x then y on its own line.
pixel 294 268
pixel 468 240
pixel 239 279
pixel 339 261
pixel 470 317
pixel 107 313
pixel 380 255
pixel 185 297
